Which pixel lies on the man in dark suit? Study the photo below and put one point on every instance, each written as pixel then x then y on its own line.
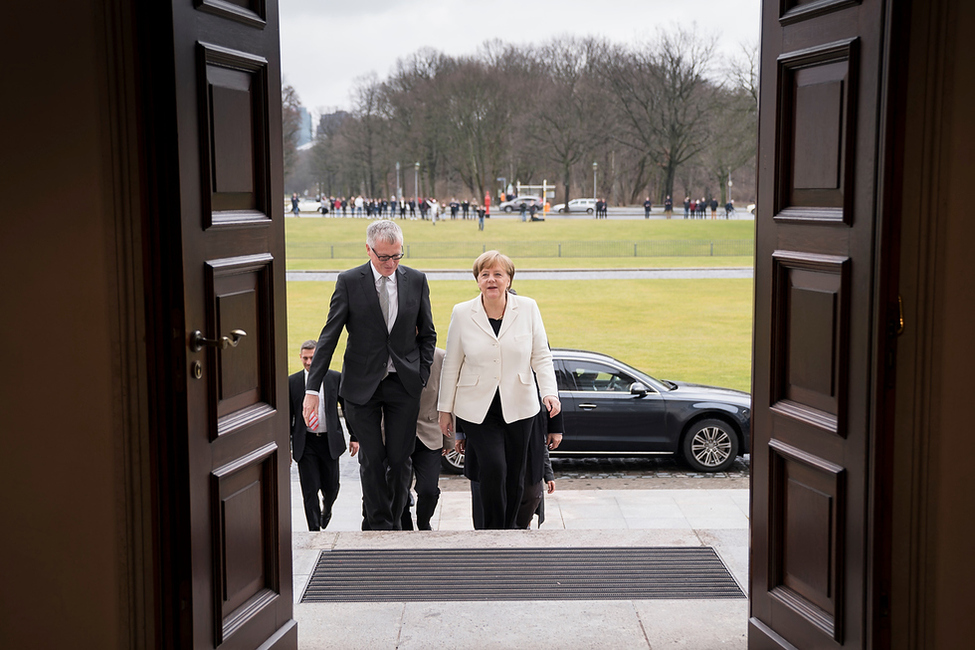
pixel 316 449
pixel 386 310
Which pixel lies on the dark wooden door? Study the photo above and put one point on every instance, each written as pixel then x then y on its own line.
pixel 819 287
pixel 216 119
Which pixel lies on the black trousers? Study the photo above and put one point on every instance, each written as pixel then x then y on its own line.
pixel 426 469
pixel 385 468
pixel 318 472
pixel 502 452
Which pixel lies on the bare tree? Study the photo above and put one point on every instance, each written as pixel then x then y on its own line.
pixel 662 97
pixel 290 126
pixel 565 109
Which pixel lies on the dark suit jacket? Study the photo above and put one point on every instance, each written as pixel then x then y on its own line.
pixel 355 306
pixel 336 438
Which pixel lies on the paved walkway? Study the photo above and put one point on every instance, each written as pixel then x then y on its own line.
pixel 584 274
pixel 706 516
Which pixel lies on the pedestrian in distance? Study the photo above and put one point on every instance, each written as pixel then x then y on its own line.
pixel 294 204
pixel 647 206
pixel 669 207
pixel 687 206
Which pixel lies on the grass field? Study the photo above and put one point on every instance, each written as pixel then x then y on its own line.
pixel 690 330
pixel 313 241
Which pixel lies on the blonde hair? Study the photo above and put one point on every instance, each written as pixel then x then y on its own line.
pixel 490 259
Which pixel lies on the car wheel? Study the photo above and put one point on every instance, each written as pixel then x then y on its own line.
pixel 588 210
pixel 710 446
pixel 452 462
pixel 561 210
pixel 507 208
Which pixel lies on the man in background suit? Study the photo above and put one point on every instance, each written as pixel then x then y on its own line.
pixel 428 451
pixel 317 449
pixel 385 308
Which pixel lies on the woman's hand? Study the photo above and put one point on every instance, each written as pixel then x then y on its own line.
pixel 460 446
pixel 446 424
pixel 553 405
pixel 554 440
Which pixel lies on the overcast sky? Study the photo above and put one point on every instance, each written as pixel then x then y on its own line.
pixel 326 44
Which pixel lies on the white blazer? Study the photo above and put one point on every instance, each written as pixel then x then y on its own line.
pixel 479 364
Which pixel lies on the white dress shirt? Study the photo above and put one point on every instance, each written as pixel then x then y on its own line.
pixel 393 303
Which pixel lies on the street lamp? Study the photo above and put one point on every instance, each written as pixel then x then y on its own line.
pixel 594 166
pixel 399 188
pixel 416 180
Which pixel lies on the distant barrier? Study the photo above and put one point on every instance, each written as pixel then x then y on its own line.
pixel 526 249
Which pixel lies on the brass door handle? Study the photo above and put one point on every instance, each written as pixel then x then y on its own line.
pixel 198 341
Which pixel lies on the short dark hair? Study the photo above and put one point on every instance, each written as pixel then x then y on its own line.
pixel 309 345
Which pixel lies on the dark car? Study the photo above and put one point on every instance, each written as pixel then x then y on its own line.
pixel 612 409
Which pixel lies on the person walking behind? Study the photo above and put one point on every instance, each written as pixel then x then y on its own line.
pixel 428 451
pixel 494 343
pixel 385 309
pixel 317 448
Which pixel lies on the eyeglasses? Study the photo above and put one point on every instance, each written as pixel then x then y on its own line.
pixel 386 258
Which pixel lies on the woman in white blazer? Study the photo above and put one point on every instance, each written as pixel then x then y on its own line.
pixel 496 347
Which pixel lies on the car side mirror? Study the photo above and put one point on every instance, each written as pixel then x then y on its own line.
pixel 638 389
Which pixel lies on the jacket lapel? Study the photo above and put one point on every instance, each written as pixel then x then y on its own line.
pixel 368 284
pixel 479 316
pixel 510 315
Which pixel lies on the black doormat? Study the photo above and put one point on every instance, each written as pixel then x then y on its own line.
pixel 621 573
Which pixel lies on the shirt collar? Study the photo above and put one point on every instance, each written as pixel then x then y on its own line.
pixel 376 274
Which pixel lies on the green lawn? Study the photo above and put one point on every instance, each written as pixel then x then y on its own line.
pixel 335 244
pixel 691 330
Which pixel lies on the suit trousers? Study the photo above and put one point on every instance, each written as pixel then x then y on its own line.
pixel 426 469
pixel 385 468
pixel 318 471
pixel 502 451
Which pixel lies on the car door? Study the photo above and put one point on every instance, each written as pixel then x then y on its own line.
pixel 601 415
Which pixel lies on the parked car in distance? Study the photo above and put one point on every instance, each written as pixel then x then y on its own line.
pixel 577 205
pixel 514 205
pixel 305 205
pixel 751 208
pixel 612 409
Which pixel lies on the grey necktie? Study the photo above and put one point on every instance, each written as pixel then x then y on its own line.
pixel 384 298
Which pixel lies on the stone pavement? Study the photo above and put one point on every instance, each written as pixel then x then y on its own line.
pixel 649 512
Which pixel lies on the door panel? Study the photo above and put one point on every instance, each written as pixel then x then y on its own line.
pixel 816 372
pixel 236 587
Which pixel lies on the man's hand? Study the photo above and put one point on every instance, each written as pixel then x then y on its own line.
pixel 309 407
pixel 553 440
pixel 460 446
pixel 353 447
pixel 551 486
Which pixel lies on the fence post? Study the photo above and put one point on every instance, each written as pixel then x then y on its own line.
pixel 407 252
pixel 634 250
pixel 712 249
pixel 333 250
pixel 560 250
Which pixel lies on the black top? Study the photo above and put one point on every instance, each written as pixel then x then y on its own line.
pixel 496 324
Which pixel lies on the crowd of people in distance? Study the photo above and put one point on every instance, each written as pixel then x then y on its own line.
pixel 406 208
pixel 699 209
